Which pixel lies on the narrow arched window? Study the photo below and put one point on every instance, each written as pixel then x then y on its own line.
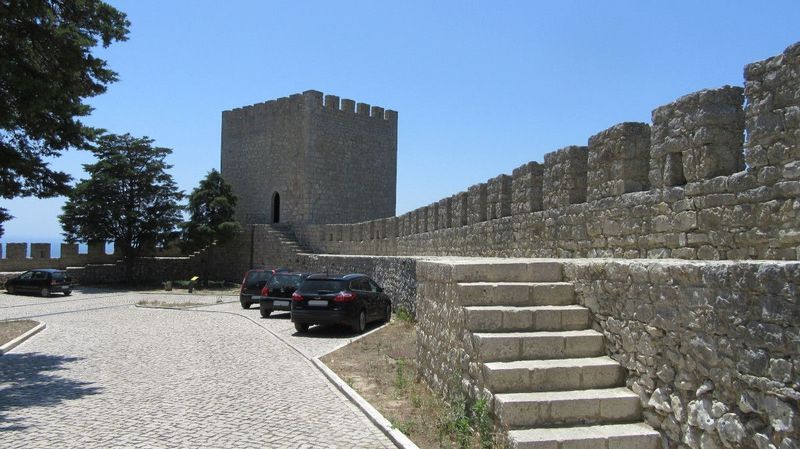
pixel 276 208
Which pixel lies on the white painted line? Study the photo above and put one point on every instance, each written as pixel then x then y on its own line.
pixel 17 341
pixel 375 416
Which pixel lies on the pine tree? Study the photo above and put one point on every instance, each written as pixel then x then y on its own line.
pixel 129 198
pixel 211 207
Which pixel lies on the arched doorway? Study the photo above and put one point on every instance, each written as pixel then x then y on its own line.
pixel 276 208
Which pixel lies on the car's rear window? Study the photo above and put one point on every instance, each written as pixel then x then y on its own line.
pixel 256 276
pixel 286 280
pixel 322 285
pixel 59 275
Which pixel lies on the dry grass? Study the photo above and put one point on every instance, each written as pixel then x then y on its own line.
pixel 171 305
pixel 10 330
pixel 382 368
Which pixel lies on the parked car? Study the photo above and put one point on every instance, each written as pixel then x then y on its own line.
pixel 43 282
pixel 352 300
pixel 254 280
pixel 277 294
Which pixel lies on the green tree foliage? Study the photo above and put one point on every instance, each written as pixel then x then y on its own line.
pixel 129 197
pixel 211 208
pixel 46 71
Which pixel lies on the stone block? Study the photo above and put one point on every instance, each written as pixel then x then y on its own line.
pixel 618 161
pixel 433 217
pixel 40 250
pixel 477 204
pixel 422 219
pixel 564 179
pixel 16 251
pixel 459 205
pixel 526 188
pixel 697 137
pixel 445 214
pixel 392 227
pixel 772 115
pixel 498 197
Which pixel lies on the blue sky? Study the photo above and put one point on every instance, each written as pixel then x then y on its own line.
pixel 481 87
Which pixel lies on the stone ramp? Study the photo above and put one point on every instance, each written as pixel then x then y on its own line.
pixel 552 383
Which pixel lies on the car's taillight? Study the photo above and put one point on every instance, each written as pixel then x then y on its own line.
pixel 265 291
pixel 53 282
pixel 345 297
pixel 297 296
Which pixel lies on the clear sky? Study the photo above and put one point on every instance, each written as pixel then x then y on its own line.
pixel 481 87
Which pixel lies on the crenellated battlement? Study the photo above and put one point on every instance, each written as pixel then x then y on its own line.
pixel 687 186
pixel 17 259
pixel 310 100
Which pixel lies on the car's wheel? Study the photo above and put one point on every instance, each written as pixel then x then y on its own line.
pixel 10 289
pixel 360 324
pixel 67 292
pixel 301 327
pixel 265 313
pixel 245 304
pixel 387 314
pixel 45 293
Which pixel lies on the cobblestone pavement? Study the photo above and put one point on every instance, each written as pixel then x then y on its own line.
pixel 107 374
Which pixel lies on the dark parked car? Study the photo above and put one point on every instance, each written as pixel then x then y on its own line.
pixel 254 280
pixel 353 300
pixel 42 282
pixel 277 294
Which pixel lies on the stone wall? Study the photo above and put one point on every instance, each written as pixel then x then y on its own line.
pixel 259 246
pixel 711 348
pixel 678 188
pixel 17 259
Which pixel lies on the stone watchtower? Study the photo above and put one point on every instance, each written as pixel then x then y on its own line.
pixel 299 160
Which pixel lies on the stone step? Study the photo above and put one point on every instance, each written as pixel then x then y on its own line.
pixel 612 436
pixel 516 293
pixel 578 407
pixel 553 375
pixel 510 346
pixel 531 318
pixel 528 271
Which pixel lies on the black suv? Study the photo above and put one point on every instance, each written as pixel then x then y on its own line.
pixel 277 294
pixel 255 280
pixel 353 300
pixel 42 282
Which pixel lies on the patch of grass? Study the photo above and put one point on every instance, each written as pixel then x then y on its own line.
pixel 403 314
pixel 382 368
pixel 407 427
pixel 401 378
pixel 170 305
pixel 200 288
pixel 10 330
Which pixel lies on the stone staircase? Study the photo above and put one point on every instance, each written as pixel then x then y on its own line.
pixel 553 385
pixel 287 239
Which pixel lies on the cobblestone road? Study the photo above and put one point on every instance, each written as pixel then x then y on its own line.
pixel 107 374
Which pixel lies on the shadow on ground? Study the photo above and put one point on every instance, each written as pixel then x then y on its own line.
pixel 333 331
pixel 32 380
pixel 324 330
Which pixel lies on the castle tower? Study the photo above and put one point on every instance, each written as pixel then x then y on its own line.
pixel 300 160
